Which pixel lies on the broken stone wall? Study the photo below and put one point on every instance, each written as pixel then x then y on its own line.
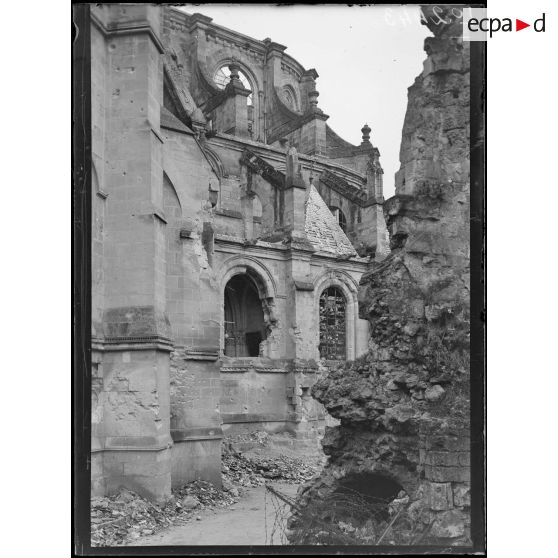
pixel 404 407
pixel 194 310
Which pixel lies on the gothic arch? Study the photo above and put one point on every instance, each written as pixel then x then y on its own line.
pixel 263 280
pixel 349 287
pixel 215 161
pixel 237 265
pixel 218 61
pixel 244 68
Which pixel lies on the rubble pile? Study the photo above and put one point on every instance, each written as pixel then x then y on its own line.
pixel 255 470
pixel 125 517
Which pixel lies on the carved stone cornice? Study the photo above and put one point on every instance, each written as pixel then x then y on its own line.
pixel 132 343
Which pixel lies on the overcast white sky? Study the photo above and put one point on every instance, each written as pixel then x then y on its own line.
pixel 366 57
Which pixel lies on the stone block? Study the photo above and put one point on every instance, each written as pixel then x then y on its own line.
pixel 196 460
pixel 462 496
pixel 447 474
pixel 447 458
pixel 449 525
pixel 439 496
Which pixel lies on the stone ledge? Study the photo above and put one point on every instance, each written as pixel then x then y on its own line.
pixel 200 354
pixel 131 344
pixel 223 212
pixel 134 443
pixel 196 434
pixel 246 368
pixel 232 418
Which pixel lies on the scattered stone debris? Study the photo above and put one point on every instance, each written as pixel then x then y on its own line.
pixel 255 470
pixel 125 517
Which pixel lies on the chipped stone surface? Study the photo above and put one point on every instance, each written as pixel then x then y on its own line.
pixel 397 419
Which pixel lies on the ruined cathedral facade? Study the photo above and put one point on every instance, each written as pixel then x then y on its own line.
pixel 231 227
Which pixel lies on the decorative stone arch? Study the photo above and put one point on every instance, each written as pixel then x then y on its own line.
pixel 265 285
pixel 215 162
pixel 349 287
pixel 257 90
pixel 289 92
pixel 244 68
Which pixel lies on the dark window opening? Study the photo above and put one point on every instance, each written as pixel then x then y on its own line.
pixel 340 217
pixel 333 337
pixel 244 319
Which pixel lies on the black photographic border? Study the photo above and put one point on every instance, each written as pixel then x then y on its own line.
pixel 81 325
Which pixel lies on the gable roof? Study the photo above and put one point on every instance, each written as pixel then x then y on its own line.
pixel 322 229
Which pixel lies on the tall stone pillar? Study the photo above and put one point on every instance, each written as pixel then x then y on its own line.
pixel 300 305
pixel 234 111
pixel 313 132
pixel 133 442
pixel 372 230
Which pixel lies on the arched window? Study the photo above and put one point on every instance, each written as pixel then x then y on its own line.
pixel 333 324
pixel 340 217
pixel 222 77
pixel 244 319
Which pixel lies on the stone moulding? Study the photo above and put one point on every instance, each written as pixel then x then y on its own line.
pixel 196 434
pixel 142 443
pixel 233 214
pixel 201 354
pixel 231 418
pixel 132 343
pixel 248 368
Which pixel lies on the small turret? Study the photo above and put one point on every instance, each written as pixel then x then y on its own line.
pixel 365 134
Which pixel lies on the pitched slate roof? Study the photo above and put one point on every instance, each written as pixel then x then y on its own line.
pixel 322 228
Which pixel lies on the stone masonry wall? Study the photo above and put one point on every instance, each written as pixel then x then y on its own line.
pixel 404 407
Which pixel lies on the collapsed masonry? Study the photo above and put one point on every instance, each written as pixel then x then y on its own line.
pixel 404 407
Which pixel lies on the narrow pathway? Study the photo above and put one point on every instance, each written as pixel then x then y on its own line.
pixel 244 523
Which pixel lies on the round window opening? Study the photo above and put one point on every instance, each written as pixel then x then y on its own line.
pixel 222 77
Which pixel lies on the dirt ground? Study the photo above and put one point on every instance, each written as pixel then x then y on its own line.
pixel 257 519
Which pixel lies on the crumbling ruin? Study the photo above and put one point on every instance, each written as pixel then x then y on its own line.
pixel 403 440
